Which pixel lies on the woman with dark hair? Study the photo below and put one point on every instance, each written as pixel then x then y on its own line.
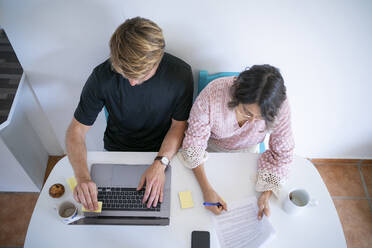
pixel 234 115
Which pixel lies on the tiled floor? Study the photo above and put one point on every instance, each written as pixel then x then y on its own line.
pixel 348 181
pixel 15 213
pixel 350 184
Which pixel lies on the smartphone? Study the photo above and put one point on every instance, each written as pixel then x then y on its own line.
pixel 200 239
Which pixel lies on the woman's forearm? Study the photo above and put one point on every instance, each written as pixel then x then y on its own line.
pixel 202 179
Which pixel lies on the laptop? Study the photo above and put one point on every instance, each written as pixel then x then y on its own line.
pixel 121 203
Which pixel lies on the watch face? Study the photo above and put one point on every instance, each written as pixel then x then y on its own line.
pixel 164 160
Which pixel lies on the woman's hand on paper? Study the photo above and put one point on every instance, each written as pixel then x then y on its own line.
pixel 263 204
pixel 212 197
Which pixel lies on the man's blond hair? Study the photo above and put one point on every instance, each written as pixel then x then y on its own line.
pixel 136 47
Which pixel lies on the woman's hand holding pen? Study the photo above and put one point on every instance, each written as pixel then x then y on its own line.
pixel 210 196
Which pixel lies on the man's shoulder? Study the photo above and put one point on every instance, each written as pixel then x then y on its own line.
pixel 101 76
pixel 177 73
pixel 176 64
pixel 104 69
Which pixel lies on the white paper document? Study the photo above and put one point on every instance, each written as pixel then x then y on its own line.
pixel 239 226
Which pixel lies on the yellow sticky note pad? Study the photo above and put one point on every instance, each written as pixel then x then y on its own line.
pixel 99 210
pixel 72 183
pixel 186 199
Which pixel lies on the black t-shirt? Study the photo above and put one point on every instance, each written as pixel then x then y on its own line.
pixel 139 116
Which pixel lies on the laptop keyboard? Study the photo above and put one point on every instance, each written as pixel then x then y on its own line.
pixel 127 199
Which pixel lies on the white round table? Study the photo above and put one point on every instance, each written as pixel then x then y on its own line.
pixel 233 175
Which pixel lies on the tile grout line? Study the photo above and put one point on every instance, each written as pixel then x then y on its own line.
pixel 364 185
pixel 370 204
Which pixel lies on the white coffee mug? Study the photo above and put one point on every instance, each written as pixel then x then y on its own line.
pixel 67 211
pixel 297 200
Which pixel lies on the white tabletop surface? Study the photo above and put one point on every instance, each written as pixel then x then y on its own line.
pixel 233 175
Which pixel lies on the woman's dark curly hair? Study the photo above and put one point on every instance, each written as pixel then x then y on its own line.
pixel 262 85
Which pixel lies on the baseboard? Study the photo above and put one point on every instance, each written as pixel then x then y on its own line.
pixel 340 161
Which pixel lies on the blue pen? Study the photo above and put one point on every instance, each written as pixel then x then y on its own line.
pixel 212 204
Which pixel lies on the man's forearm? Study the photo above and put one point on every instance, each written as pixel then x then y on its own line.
pixel 172 141
pixel 77 154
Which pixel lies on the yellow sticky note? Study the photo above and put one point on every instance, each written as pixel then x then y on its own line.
pixel 72 183
pixel 186 199
pixel 99 210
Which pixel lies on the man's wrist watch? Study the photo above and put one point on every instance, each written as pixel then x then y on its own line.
pixel 163 159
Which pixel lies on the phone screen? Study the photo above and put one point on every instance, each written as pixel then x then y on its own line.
pixel 200 239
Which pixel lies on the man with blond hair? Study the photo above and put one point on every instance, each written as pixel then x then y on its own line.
pixel 148 96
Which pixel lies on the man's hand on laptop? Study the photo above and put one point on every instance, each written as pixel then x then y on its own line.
pixel 154 177
pixel 85 193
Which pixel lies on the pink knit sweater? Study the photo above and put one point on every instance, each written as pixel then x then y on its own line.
pixel 211 121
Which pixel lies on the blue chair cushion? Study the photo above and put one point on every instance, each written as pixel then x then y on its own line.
pixel 106 113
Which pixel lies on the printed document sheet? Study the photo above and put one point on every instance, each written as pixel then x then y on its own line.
pixel 239 226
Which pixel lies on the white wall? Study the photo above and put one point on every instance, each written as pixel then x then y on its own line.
pixel 24 143
pixel 12 174
pixel 322 48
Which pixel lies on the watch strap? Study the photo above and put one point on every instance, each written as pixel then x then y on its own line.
pixel 160 159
